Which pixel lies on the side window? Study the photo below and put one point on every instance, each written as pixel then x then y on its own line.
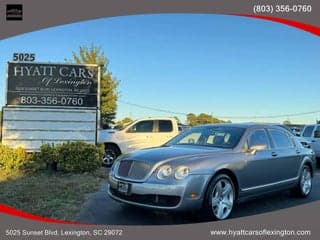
pixel 308 131
pixel 143 126
pixel 281 140
pixel 259 138
pixel 316 133
pixel 165 126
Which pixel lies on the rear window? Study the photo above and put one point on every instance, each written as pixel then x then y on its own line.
pixel 165 126
pixel 280 139
pixel 143 126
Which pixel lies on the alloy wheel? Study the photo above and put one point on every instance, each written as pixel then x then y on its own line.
pixel 222 199
pixel 306 181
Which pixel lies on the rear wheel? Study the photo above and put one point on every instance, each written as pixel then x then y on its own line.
pixel 220 198
pixel 110 154
pixel 305 182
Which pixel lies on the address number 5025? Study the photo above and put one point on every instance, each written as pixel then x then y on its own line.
pixel 24 57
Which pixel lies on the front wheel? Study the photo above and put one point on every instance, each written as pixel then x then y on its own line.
pixel 110 154
pixel 305 182
pixel 220 198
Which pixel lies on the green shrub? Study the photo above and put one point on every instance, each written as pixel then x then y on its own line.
pixel 78 157
pixel 101 150
pixel 48 154
pixel 13 158
pixel 35 164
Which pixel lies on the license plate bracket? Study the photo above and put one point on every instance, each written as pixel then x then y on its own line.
pixel 124 188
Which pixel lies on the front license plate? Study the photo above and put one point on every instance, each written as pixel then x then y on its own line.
pixel 124 187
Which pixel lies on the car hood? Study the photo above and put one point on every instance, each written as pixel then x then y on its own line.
pixel 105 135
pixel 172 153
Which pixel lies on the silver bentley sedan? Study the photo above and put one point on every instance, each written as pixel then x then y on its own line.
pixel 211 167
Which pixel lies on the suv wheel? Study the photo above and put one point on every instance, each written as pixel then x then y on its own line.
pixel 110 154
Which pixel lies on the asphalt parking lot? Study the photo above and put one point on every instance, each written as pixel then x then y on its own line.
pixel 100 209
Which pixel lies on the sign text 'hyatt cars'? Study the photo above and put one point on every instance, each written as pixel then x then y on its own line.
pixel 56 85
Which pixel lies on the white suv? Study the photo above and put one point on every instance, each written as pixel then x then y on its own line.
pixel 312 134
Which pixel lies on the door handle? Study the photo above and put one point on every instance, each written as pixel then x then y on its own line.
pixel 274 154
pixel 297 151
pixel 313 140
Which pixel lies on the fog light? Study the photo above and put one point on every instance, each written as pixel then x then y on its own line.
pixel 194 195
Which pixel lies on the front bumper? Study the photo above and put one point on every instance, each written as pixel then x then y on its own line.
pixel 179 195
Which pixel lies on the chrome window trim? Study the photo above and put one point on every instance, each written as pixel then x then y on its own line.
pixel 270 184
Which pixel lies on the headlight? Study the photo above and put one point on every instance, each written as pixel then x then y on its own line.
pixel 181 172
pixel 164 172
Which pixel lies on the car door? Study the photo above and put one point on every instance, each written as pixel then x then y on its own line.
pixel 259 164
pixel 286 156
pixel 140 135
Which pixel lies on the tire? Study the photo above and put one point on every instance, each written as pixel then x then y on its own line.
pixel 220 198
pixel 111 152
pixel 304 187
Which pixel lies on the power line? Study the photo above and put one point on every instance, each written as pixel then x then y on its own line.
pixel 229 117
pixel 152 108
pixel 274 116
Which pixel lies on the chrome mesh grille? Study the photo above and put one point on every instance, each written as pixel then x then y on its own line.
pixel 136 170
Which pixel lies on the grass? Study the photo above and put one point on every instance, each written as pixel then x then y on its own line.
pixel 55 195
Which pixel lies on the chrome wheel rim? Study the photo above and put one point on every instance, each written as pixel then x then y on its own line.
pixel 109 157
pixel 305 182
pixel 222 199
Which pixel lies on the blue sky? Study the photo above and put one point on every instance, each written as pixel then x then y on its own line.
pixel 222 65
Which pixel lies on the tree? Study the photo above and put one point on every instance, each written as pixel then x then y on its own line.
pixel 1 125
pixel 178 120
pixel 124 122
pixel 191 119
pixel 286 122
pixel 202 118
pixel 108 86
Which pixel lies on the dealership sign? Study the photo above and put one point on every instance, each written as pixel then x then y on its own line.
pixel 55 85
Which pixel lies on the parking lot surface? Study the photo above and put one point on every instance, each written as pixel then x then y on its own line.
pixel 101 209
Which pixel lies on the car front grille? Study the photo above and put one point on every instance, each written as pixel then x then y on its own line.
pixel 135 170
pixel 149 199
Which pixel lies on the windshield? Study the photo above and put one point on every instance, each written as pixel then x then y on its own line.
pixel 211 136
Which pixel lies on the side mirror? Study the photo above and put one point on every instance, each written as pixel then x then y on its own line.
pixel 317 134
pixel 255 148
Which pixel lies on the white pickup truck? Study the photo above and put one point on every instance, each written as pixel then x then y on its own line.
pixel 142 133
